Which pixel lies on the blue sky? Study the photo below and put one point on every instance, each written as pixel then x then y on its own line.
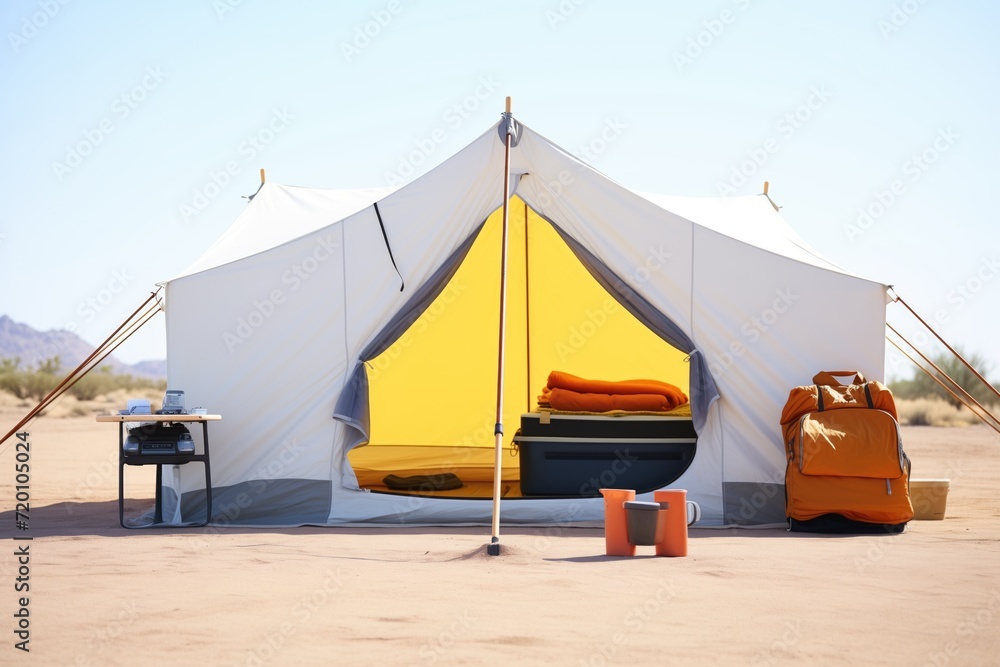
pixel 132 131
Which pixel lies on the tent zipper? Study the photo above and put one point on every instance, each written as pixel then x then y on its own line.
pixel 385 237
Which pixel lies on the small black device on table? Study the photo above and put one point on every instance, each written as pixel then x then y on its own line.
pixel 160 439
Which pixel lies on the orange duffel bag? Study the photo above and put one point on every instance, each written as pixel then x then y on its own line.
pixel 846 469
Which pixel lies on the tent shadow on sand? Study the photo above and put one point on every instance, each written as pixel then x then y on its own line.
pixel 100 519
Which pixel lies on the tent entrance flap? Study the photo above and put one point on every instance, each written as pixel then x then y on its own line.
pixel 432 392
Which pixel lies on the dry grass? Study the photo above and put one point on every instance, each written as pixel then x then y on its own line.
pixel 70 406
pixel 934 412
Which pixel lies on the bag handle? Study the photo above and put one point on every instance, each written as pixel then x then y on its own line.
pixel 830 377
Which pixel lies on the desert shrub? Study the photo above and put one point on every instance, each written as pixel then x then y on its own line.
pixel 92 385
pixel 29 384
pixel 101 383
pixel 922 385
pixel 79 411
pixel 38 382
pixel 933 412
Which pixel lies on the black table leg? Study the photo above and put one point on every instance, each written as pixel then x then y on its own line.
pixel 139 459
pixel 158 502
pixel 121 474
pixel 208 476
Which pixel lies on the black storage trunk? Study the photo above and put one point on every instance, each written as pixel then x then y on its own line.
pixel 577 455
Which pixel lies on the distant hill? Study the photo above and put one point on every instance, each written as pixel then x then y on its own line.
pixel 20 341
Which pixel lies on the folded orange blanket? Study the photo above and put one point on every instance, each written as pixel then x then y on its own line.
pixel 572 401
pixel 561 380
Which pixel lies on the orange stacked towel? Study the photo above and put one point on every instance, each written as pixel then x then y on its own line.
pixel 575 394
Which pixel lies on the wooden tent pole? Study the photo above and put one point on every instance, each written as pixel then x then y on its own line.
pixel 493 549
pixel 527 316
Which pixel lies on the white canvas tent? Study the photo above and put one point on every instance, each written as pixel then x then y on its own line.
pixel 272 328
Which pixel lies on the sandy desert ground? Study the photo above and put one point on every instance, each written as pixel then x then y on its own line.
pixel 101 595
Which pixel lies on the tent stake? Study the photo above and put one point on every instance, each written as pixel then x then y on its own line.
pixel 493 548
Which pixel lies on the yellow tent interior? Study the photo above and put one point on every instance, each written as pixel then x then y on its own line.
pixel 433 392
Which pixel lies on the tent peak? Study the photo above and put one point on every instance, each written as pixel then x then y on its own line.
pixel 249 198
pixel 509 127
pixel 776 207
